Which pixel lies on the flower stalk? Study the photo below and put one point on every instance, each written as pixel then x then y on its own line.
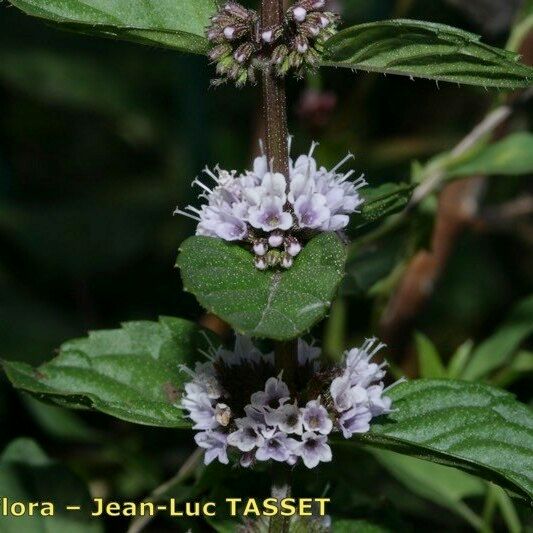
pixel 274 97
pixel 277 151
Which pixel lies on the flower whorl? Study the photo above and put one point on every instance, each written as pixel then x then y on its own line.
pixel 272 214
pixel 238 404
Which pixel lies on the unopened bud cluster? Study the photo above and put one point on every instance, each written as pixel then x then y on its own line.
pixel 274 215
pixel 240 45
pixel 309 27
pixel 232 33
pixel 241 407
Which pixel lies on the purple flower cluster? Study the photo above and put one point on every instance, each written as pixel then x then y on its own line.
pixel 274 213
pixel 262 418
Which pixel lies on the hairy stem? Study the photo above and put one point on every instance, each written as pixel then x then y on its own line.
pixel 276 136
pixel 277 151
pixel 274 98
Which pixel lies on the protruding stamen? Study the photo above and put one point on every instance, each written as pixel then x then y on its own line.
pixel 185 214
pixel 340 163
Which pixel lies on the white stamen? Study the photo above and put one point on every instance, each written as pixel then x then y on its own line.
pixel 200 184
pixel 210 174
pixel 184 213
pixel 340 163
pixel 360 182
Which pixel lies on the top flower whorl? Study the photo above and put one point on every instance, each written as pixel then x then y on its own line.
pixel 274 213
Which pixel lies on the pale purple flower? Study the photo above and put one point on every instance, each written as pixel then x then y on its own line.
pixel 341 392
pixel 201 410
pixel 263 209
pixel 311 211
pixel 358 362
pixel 313 449
pixel 248 436
pixel 356 420
pixel 275 392
pixel 269 215
pixel 315 417
pixel 275 426
pixel 277 446
pixel 215 445
pixel 378 404
pixel 287 418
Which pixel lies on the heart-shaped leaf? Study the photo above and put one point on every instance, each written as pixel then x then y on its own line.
pixel 131 373
pixel 470 426
pixel 425 50
pixel 274 304
pixel 177 24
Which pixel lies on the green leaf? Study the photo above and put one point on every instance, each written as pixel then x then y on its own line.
pixel 476 428
pixel 27 475
pixel 459 360
pixel 177 24
pixel 497 349
pixel 381 202
pixel 426 50
pixel 131 373
pixel 520 367
pixel 273 304
pixel 429 359
pixel 511 156
pixel 442 485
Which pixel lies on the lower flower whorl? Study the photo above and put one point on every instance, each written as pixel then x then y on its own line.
pixel 241 407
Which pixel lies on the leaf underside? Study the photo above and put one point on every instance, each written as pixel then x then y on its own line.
pixel 426 50
pixel 273 304
pixel 176 24
pixel 473 427
pixel 131 373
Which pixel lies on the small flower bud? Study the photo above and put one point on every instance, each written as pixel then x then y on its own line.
pixel 311 5
pixel 218 52
pixel 292 246
pixel 260 263
pixel 310 30
pixel 272 34
pixel 273 258
pixel 237 11
pixel 324 21
pixel 286 261
pixel 260 247
pixel 275 239
pixel 229 32
pixel 318 4
pixel 243 52
pixel 267 36
pixel 224 65
pixel 279 54
pixel 301 44
pixel 299 14
pixel 222 414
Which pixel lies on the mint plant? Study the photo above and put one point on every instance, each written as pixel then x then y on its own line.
pixel 269 256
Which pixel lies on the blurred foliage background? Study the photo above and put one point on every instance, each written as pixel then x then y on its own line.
pixel 100 140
